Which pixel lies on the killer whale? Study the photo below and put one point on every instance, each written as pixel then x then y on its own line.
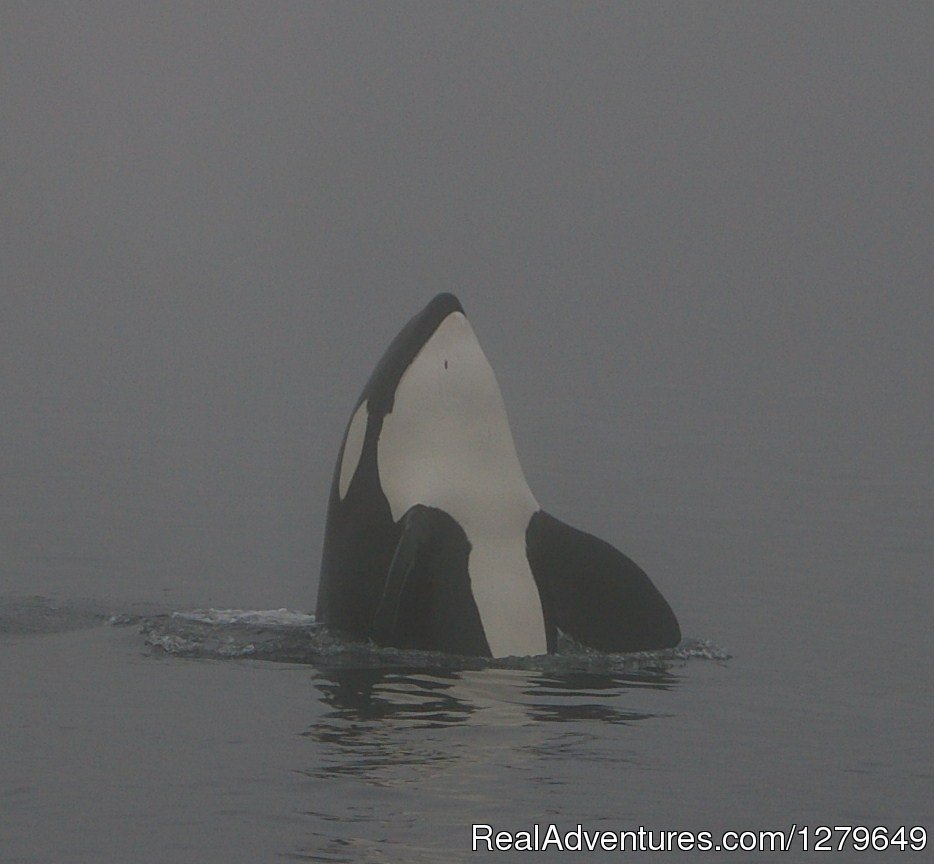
pixel 433 539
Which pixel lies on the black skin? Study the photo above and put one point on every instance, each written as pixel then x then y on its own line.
pixel 427 603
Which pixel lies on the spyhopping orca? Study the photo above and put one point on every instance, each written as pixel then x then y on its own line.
pixel 434 540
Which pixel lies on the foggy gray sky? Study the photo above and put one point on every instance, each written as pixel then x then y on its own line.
pixel 694 240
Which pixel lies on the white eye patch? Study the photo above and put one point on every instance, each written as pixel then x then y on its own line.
pixel 353 447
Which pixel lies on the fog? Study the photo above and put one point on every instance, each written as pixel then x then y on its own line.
pixel 694 240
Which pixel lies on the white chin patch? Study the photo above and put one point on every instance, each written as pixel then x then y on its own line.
pixel 447 444
pixel 353 447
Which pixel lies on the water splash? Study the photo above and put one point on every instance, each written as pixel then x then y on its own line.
pixel 287 636
pixel 260 618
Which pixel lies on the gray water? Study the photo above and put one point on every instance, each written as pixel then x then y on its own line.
pixel 694 241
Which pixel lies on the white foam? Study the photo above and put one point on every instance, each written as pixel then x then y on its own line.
pixel 270 635
pixel 256 617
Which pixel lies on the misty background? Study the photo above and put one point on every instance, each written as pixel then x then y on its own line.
pixel 694 241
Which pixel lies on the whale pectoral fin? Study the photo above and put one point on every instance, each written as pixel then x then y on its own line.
pixel 594 593
pixel 416 531
pixel 427 602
